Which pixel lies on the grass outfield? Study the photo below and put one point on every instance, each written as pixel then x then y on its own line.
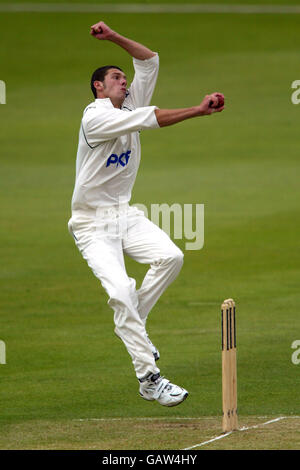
pixel 63 361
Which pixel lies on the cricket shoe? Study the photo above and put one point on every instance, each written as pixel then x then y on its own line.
pixel 154 349
pixel 155 387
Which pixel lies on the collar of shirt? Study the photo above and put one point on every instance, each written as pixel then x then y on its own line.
pixel 104 102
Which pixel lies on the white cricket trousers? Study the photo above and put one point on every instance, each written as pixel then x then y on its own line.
pixel 103 236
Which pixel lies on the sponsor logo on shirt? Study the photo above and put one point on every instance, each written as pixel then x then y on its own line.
pixel 117 160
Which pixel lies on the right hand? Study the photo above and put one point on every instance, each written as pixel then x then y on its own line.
pixel 209 104
pixel 101 31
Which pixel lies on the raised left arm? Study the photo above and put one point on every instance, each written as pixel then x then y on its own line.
pixel 138 51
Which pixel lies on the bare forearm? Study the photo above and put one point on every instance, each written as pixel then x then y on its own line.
pixel 135 49
pixel 213 103
pixel 101 31
pixel 167 117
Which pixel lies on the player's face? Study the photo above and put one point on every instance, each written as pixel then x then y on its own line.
pixel 114 85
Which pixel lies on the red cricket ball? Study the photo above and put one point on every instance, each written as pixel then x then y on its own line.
pixel 220 101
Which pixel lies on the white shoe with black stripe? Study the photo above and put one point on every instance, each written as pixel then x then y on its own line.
pixel 155 387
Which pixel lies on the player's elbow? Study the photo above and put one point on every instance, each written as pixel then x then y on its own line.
pixel 159 117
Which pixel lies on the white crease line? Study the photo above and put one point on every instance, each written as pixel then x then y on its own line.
pixel 245 428
pixel 210 440
pixel 159 418
pixel 146 8
pixel 141 419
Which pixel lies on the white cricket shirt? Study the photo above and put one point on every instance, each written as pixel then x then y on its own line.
pixel 109 151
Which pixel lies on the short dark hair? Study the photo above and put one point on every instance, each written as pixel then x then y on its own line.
pixel 99 74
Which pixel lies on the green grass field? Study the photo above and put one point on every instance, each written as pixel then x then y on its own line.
pixel 64 363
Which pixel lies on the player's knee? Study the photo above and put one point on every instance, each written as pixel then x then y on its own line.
pixel 178 259
pixel 123 294
pixel 175 259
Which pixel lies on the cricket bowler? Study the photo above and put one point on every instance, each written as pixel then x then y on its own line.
pixel 104 225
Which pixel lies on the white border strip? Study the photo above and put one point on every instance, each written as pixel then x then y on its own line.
pixel 245 428
pixel 146 8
